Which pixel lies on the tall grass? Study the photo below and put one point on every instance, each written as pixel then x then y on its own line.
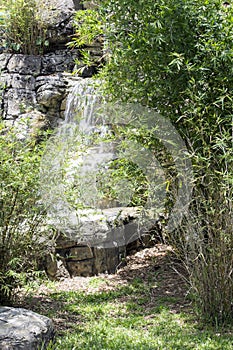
pixel 24 30
pixel 204 243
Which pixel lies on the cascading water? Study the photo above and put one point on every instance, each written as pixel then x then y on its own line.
pixel 81 147
pixel 81 103
pixel 69 169
pixel 75 154
pixel 80 154
pixel 83 116
pixel 82 106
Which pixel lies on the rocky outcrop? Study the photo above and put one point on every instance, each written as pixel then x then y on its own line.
pixel 22 329
pixel 33 85
pixel 57 17
pixel 100 243
pixel 33 92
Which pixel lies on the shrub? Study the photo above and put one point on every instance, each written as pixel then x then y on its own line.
pixel 176 57
pixel 22 236
pixel 24 30
pixel 88 31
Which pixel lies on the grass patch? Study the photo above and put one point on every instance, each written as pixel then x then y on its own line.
pixel 144 306
pixel 129 318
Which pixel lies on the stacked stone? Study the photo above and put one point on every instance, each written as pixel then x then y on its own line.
pixel 33 89
pixel 100 243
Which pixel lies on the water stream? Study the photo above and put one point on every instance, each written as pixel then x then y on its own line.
pixel 79 152
pixel 87 122
pixel 81 103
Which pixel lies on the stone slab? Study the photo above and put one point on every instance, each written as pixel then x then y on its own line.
pixel 81 268
pixel 81 253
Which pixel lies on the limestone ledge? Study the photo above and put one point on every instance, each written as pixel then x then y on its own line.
pixel 100 243
pixel 29 83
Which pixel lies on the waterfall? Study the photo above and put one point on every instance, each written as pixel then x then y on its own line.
pixel 76 169
pixel 85 121
pixel 85 109
pixel 81 105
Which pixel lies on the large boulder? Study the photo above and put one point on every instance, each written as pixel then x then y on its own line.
pixel 22 329
pixel 57 17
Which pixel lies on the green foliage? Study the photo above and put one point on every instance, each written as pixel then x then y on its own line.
pixel 123 170
pixel 176 57
pixel 23 30
pixel 22 236
pixel 205 244
pixel 89 30
pixel 124 180
pixel 89 27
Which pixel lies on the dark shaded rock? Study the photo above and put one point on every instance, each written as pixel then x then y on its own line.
pixel 22 329
pixel 83 268
pixel 108 259
pixel 78 4
pixel 50 90
pixel 101 241
pixel 24 64
pixel 81 253
pixel 55 269
pixel 59 61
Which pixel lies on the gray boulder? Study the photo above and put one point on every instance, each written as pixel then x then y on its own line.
pixel 57 17
pixel 22 329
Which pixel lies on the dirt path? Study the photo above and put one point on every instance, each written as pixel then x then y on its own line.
pixel 151 267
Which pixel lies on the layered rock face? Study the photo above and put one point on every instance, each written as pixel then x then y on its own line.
pixel 33 89
pixel 33 92
pixel 101 242
pixel 57 17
